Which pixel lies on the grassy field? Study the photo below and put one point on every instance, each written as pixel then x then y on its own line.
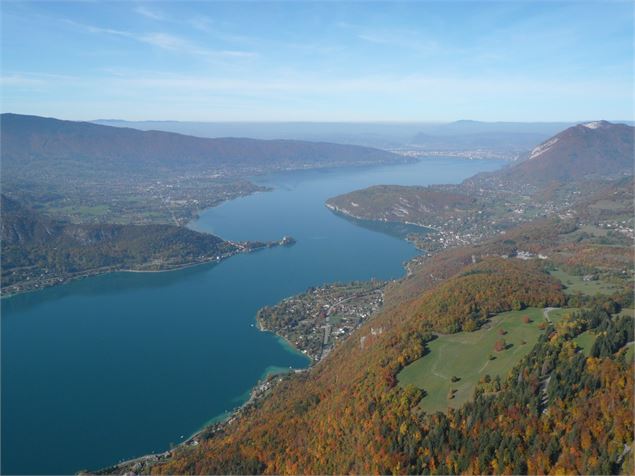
pixel 629 350
pixel 466 355
pixel 83 212
pixel 594 230
pixel 556 315
pixel 585 341
pixel 575 284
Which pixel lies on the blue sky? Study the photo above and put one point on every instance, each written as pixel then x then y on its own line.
pixel 319 61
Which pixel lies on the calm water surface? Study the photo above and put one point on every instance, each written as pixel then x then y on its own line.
pixel 116 366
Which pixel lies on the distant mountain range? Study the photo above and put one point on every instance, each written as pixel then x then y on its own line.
pixel 458 135
pixel 45 142
pixel 95 173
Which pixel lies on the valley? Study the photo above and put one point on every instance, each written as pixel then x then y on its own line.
pixel 194 328
pixel 522 331
pixel 92 173
pixel 299 238
pixel 469 333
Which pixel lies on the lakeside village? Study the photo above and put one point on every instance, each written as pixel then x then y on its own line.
pixel 503 205
pixel 316 320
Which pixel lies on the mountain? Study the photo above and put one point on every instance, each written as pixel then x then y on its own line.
pixel 31 141
pixel 552 175
pixel 591 150
pixel 100 174
pixel 370 134
pixel 38 251
pixel 458 135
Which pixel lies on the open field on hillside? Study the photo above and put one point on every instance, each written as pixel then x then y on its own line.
pixel 629 350
pixel 575 284
pixel 466 355
pixel 585 341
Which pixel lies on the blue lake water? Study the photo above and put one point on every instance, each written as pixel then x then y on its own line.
pixel 116 366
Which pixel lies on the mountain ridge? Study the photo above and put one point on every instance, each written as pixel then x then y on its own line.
pixel 34 137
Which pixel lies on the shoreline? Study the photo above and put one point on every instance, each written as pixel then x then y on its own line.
pixel 241 248
pixel 219 423
pixel 214 425
pixel 346 213
pixel 104 271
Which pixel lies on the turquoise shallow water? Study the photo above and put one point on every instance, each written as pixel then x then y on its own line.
pixel 116 366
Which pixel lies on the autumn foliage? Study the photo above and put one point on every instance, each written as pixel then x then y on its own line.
pixel 347 415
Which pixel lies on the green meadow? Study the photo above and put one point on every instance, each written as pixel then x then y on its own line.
pixel 466 356
pixel 575 284
pixel 585 341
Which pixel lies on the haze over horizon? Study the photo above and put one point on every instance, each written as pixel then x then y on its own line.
pixel 319 62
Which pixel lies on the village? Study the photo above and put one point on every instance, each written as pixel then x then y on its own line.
pixel 315 321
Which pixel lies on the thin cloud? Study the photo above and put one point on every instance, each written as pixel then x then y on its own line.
pixel 148 13
pixel 201 23
pixel 167 42
pixel 415 86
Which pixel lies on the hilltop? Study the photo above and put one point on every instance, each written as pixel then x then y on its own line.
pixel 596 149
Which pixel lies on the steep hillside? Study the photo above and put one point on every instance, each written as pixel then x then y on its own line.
pixel 38 251
pixel 595 149
pixel 424 206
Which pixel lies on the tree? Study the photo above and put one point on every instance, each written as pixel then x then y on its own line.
pixel 500 345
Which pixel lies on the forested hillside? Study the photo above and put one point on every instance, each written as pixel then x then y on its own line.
pixel 39 251
pixel 491 286
pixel 348 415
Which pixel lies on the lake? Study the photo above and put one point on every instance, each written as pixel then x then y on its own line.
pixel 116 366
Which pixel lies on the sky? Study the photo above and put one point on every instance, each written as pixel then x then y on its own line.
pixel 318 61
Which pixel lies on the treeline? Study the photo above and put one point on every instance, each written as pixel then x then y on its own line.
pixel 489 287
